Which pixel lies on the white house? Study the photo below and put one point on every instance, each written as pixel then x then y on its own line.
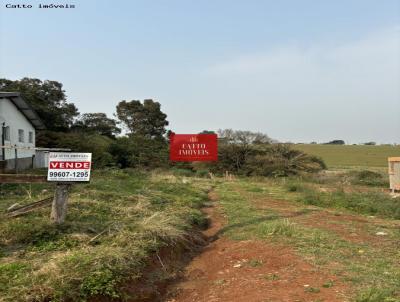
pixel 18 122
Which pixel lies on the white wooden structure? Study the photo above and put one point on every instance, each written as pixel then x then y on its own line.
pixel 394 173
pixel 18 122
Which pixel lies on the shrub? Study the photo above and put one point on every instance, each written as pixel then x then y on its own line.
pixel 96 144
pixel 368 178
pixel 202 173
pixel 295 186
pixel 265 160
pixel 138 151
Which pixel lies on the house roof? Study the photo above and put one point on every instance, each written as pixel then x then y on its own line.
pixel 25 109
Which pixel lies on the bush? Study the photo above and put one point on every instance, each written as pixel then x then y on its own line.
pixel 295 186
pixel 139 152
pixel 96 144
pixel 265 160
pixel 368 178
pixel 202 173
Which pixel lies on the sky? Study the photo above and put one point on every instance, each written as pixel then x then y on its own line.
pixel 296 70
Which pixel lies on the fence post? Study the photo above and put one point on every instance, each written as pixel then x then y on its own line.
pixel 16 159
pixel 3 139
pixel 59 207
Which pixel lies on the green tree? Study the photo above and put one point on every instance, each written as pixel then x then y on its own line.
pixel 47 98
pixel 139 152
pixel 143 119
pixel 244 138
pixel 94 143
pixel 253 153
pixel 207 132
pixel 336 142
pixel 97 123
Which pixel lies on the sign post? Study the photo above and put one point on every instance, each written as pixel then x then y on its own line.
pixel 65 169
pixel 59 206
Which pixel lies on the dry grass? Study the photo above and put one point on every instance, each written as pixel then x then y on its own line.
pixel 114 226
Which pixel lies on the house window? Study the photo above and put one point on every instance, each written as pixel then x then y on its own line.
pixel 30 137
pixel 7 133
pixel 21 135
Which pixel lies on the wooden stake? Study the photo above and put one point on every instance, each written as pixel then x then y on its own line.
pixel 22 178
pixel 59 207
pixel 17 211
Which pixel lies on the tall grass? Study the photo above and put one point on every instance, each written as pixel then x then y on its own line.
pixel 372 270
pixel 370 202
pixel 114 226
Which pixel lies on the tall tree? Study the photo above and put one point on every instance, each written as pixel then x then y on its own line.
pixel 243 137
pixel 143 119
pixel 47 98
pixel 97 123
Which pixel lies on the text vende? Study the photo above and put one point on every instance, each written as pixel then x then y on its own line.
pixel 69 165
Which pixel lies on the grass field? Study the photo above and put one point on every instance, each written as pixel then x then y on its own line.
pixel 347 156
pixel 114 225
pixel 327 235
pixel 123 219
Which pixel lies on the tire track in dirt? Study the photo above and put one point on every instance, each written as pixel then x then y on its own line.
pixel 250 271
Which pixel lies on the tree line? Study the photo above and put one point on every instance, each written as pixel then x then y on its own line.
pixel 138 137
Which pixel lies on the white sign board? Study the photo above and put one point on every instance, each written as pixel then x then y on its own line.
pixel 69 166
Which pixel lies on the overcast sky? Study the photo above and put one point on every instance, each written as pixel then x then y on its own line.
pixel 297 70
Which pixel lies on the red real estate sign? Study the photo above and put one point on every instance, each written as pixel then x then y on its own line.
pixel 193 147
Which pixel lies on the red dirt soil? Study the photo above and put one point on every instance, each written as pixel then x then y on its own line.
pixel 353 228
pixel 251 271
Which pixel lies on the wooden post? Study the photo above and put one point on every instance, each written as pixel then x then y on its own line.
pixel 59 207
pixel 16 160
pixel 3 139
pixel 22 178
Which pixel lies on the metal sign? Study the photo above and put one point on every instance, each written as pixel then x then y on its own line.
pixel 69 166
pixel 193 147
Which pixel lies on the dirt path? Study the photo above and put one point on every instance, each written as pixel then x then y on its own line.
pixel 250 271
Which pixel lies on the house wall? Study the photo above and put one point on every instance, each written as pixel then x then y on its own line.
pixel 394 175
pixel 13 118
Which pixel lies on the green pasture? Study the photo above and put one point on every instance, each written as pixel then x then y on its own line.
pixel 347 156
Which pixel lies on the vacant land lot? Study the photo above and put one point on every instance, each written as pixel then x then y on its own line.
pixel 115 226
pixel 269 242
pixel 327 237
pixel 346 156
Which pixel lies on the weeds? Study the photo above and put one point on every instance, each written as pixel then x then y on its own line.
pixel 271 277
pixel 371 203
pixel 255 263
pixel 368 178
pixel 114 226
pixel 374 272
pixel 375 294
pixel 282 227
